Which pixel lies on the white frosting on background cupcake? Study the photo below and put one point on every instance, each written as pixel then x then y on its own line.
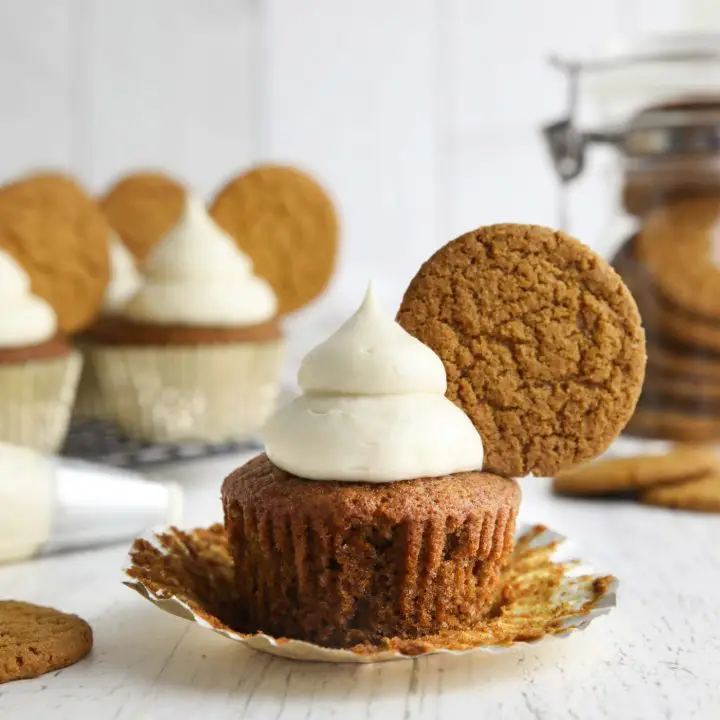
pixel 25 319
pixel 124 276
pixel 198 276
pixel 373 409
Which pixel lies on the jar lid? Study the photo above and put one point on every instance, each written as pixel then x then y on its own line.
pixel 687 127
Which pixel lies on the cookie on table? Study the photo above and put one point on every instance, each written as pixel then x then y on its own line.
pixel 679 243
pixel 541 340
pixel 35 640
pixel 142 207
pixel 629 474
pixel 55 230
pixel 287 224
pixel 701 494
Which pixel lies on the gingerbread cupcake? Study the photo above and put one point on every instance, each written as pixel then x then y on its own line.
pixel 369 516
pixel 195 354
pixel 384 506
pixel 38 370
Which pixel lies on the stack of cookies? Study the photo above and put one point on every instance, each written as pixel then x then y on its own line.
pixel 684 477
pixel 172 309
pixel 672 267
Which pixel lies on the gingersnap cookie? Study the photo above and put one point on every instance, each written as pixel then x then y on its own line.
pixel 680 244
pixel 691 330
pixel 684 387
pixel 142 207
pixel 541 340
pixel 55 230
pixel 35 640
pixel 668 423
pixel 628 474
pixel 700 494
pixel 287 224
pixel 683 360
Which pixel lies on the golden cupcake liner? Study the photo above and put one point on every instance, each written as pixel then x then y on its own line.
pixel 545 592
pixel 36 400
pixel 204 393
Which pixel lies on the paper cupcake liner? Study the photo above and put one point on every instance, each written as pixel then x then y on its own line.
pixel 546 592
pixel 36 399
pixel 90 403
pixel 204 393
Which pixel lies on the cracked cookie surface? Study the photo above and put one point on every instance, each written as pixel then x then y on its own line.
pixel 541 340
pixel 35 640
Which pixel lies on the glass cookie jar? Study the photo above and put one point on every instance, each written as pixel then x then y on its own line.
pixel 667 225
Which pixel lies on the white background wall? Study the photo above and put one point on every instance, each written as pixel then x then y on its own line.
pixel 421 116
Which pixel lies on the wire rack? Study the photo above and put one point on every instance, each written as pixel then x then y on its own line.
pixel 101 441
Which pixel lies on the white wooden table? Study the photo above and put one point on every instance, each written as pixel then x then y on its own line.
pixel 656 656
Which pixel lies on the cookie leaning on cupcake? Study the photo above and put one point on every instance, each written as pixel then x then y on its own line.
pixel 373 513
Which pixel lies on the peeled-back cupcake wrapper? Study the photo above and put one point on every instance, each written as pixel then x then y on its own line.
pixel 546 592
pixel 203 393
pixel 37 399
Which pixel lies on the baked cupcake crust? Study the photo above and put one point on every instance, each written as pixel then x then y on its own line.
pixel 119 331
pixel 341 563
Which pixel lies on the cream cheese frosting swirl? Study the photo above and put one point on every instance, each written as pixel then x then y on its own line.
pixel 197 276
pixel 373 409
pixel 124 276
pixel 25 319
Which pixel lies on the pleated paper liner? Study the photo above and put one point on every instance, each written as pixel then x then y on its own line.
pixel 545 592
pixel 37 399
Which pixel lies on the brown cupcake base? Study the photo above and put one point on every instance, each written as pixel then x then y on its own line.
pixel 118 331
pixel 345 563
pixel 52 349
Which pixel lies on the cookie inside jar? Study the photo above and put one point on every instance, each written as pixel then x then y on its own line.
pixel 671 264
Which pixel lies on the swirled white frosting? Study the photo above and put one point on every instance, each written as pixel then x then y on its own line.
pixel 124 276
pixel 25 319
pixel 373 409
pixel 197 276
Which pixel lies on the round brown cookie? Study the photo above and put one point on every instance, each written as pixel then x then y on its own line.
pixel 680 243
pixel 628 474
pixel 287 224
pixel 682 361
pixel 700 494
pixel 142 208
pixel 684 387
pixel 35 640
pixel 691 330
pixel 59 235
pixel 673 424
pixel 541 341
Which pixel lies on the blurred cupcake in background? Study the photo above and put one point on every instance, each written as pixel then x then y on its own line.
pixel 39 370
pixel 55 268
pixel 123 284
pixel 196 353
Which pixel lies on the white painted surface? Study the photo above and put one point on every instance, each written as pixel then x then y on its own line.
pixel 656 656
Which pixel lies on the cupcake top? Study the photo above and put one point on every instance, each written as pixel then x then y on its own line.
pixel 373 409
pixel 25 319
pixel 197 276
pixel 124 277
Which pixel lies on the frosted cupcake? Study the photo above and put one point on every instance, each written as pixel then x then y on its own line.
pixel 369 516
pixel 195 355
pixel 38 370
pixel 123 284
